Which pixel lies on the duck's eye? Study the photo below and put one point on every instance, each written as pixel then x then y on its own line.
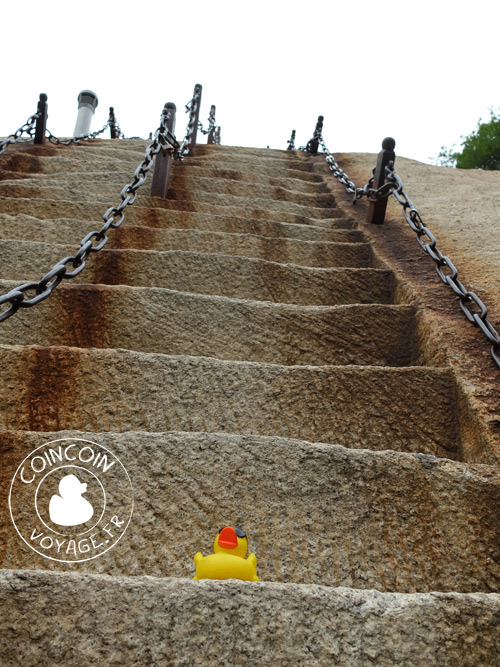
pixel 239 532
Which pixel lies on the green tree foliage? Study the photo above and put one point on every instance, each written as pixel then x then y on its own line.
pixel 480 150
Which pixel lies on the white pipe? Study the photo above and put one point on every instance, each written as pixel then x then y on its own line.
pixel 87 103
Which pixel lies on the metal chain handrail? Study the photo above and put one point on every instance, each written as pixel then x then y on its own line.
pixel 191 108
pixel 75 140
pixel 211 123
pixel 94 240
pixel 445 268
pixel 394 186
pixel 340 174
pixel 28 128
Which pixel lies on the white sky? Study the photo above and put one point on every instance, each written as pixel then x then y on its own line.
pixel 422 72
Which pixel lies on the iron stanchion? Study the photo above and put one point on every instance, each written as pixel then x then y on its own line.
pixel 194 116
pixel 376 213
pixel 211 125
pixel 41 123
pixel 163 159
pixel 312 144
pixel 115 134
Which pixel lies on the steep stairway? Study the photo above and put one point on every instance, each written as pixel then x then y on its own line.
pixel 239 347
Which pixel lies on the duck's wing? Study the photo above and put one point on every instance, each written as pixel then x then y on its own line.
pixel 252 559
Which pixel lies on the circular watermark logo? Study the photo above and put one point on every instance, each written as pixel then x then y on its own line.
pixel 71 500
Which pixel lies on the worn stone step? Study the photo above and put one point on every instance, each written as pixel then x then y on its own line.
pixel 125 149
pixel 313 513
pixel 271 209
pixel 53 388
pixel 79 619
pixel 171 322
pixel 183 181
pixel 215 151
pixel 275 199
pixel 21 258
pixel 252 156
pixel 205 202
pixel 154 216
pixel 298 171
pixel 237 277
pixel 156 212
pixel 183 186
pixel 193 175
pixel 109 173
pixel 110 164
pixel 131 152
pixel 66 231
pixel 278 159
pixel 148 219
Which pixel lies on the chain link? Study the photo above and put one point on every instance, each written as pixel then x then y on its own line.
pixel 472 306
pixel 211 122
pixel 71 266
pixel 28 128
pixel 340 174
pixel 191 108
pixel 77 139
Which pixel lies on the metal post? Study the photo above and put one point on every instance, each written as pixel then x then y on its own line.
pixel 211 125
pixel 41 123
pixel 87 103
pixel 194 115
pixel 112 124
pixel 291 142
pixel 163 159
pixel 376 213
pixel 312 144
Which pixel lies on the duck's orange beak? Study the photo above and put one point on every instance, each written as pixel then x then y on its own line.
pixel 228 538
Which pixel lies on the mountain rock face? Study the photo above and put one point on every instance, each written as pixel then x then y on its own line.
pixel 247 352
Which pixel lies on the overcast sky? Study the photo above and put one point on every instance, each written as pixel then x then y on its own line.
pixel 422 72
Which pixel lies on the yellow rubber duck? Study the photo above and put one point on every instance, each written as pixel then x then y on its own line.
pixel 228 560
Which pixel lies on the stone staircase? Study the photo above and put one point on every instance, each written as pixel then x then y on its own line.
pixel 240 349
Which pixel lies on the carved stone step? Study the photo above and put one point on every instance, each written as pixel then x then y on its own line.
pixel 204 202
pixel 77 619
pixel 237 277
pixel 148 219
pixel 21 257
pixel 408 409
pixel 28 228
pixel 184 185
pixel 155 212
pixel 171 322
pixel 313 513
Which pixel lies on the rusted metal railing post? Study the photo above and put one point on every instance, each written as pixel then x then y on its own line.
pixel 115 134
pixel 376 213
pixel 312 144
pixel 41 123
pixel 291 142
pixel 194 116
pixel 163 159
pixel 211 125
